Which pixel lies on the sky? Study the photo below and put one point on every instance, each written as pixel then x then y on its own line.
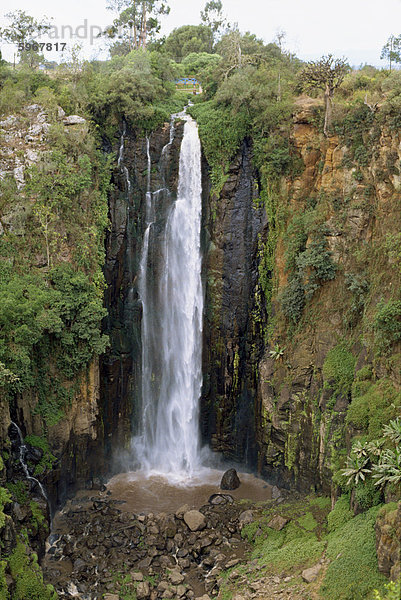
pixel 355 29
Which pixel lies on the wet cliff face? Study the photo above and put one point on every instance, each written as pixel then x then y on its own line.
pixel 234 313
pixel 339 373
pixel 121 366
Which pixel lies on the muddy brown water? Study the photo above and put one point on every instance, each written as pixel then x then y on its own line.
pixel 144 494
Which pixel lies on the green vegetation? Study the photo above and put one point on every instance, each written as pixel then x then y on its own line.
pixel 338 369
pixel 375 465
pixel 26 572
pixel 373 405
pixel 47 460
pixel 313 531
pixel 19 491
pixel 298 544
pixel 387 323
pixel 340 514
pixel 5 499
pixel 393 591
pixel 352 572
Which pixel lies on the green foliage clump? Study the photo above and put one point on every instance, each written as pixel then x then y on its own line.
pixel 392 591
pixel 387 323
pixel 18 490
pixel 5 498
pixel 133 88
pixel 373 405
pixel 292 299
pixel 340 514
pixel 47 460
pixel 28 577
pixel 37 319
pixel 298 544
pixel 309 265
pixel 316 265
pixel 4 595
pixel 338 369
pixel 353 571
pixel 38 519
pixel 367 494
pixel 188 39
pixel 221 132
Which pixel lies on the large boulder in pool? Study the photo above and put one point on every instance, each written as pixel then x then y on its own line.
pixel 230 480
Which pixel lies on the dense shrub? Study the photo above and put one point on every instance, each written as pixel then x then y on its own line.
pixel 338 369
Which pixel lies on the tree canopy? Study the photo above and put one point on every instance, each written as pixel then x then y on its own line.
pixel 187 39
pixel 326 74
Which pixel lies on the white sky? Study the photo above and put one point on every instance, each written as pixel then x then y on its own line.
pixel 356 29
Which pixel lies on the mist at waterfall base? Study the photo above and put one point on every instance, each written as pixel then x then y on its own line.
pixel 166 464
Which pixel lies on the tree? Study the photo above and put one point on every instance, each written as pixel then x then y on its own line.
pixel 136 22
pixel 212 17
pixel 239 50
pixel 187 39
pixel 22 30
pixel 326 74
pixel 392 50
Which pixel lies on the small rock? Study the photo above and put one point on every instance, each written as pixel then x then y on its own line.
pixel 145 563
pixel 176 577
pixel 312 573
pixel 230 480
pixel 217 499
pixel 276 579
pixel 181 511
pixel 31 156
pixel 8 122
pixel 245 518
pixel 195 520
pixel 277 523
pixel 181 590
pixel 19 175
pixel 137 576
pixel 33 108
pixel 72 590
pixel 35 129
pixel 163 586
pixel 142 590
pixel 74 120
pixel 111 597
pixel 287 579
pixel 275 492
pixel 60 112
pixel 255 586
pixel 232 563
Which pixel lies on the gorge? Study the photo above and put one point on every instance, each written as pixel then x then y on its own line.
pixel 219 282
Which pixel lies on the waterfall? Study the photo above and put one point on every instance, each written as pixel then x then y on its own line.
pixel 22 453
pixel 171 293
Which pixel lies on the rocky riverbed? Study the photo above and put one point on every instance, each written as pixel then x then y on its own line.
pixel 99 549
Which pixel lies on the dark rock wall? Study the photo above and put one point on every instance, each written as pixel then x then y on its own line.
pixel 234 317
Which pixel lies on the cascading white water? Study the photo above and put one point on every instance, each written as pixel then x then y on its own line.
pixel 172 298
pixel 22 453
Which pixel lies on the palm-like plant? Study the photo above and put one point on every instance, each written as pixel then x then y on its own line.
pixel 393 431
pixel 388 469
pixel 375 447
pixel 277 352
pixel 360 450
pixel 357 468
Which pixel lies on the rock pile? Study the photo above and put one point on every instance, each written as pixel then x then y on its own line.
pixel 108 550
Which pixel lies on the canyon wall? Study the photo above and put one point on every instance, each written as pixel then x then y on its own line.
pixel 294 379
